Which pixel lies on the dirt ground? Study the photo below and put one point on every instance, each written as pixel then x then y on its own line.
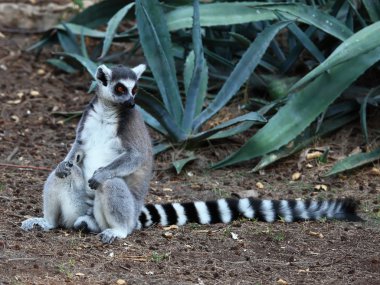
pixel 279 253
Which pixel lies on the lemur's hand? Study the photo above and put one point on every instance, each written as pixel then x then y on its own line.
pixel 63 169
pixel 100 175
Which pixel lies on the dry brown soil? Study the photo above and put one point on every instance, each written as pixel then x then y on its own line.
pixel 279 253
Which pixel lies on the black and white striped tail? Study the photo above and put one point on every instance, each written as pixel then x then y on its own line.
pixel 227 210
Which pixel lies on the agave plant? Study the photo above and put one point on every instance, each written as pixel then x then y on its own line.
pixel 239 37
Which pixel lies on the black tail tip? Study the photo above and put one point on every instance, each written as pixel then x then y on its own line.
pixel 350 207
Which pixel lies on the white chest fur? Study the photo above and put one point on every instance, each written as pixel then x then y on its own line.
pixel 100 142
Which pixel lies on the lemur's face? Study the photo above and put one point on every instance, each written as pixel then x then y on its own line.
pixel 119 84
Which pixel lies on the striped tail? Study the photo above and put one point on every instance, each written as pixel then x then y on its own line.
pixel 227 210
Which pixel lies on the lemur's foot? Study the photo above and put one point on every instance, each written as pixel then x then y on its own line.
pixel 29 224
pixel 109 235
pixel 63 169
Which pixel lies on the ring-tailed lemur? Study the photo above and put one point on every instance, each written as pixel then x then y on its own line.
pixel 117 161
pixel 113 151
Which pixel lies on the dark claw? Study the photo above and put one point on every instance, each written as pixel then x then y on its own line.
pixel 64 169
pixel 60 174
pixel 93 184
pixel 106 238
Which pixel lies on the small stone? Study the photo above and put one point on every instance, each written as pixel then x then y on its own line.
pixel 41 71
pixel 234 236
pixel 34 93
pixel 121 282
pixel 167 235
pixel 20 94
pixel 15 118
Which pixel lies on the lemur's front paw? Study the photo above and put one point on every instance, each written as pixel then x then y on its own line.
pixel 97 178
pixel 93 183
pixel 63 169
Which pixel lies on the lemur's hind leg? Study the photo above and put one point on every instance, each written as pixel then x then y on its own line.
pixel 63 197
pixel 51 205
pixel 115 210
pixel 87 223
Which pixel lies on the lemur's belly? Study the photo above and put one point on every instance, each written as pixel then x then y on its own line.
pixel 101 146
pixel 96 157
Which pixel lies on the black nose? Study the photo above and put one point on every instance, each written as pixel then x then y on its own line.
pixel 130 103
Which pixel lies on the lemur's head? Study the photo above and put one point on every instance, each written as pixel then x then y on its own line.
pixel 118 85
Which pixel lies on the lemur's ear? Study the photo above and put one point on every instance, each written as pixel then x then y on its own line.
pixel 103 74
pixel 138 70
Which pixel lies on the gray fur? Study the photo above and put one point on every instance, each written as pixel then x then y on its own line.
pixel 122 72
pixel 114 171
pixel 64 196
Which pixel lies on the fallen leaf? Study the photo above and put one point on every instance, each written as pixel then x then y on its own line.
pixel 314 155
pixel 260 185
pixel 282 282
pixel 316 234
pixel 296 176
pixel 375 171
pixel 14 102
pixel 304 270
pixel 172 227
pixel 355 151
pixel 321 187
pixel 309 165
pixel 79 274
pixel 166 189
pixel 15 118
pixel 234 236
pixel 308 154
pixel 195 186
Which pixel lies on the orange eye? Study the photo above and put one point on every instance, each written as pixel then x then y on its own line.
pixel 120 89
pixel 134 90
